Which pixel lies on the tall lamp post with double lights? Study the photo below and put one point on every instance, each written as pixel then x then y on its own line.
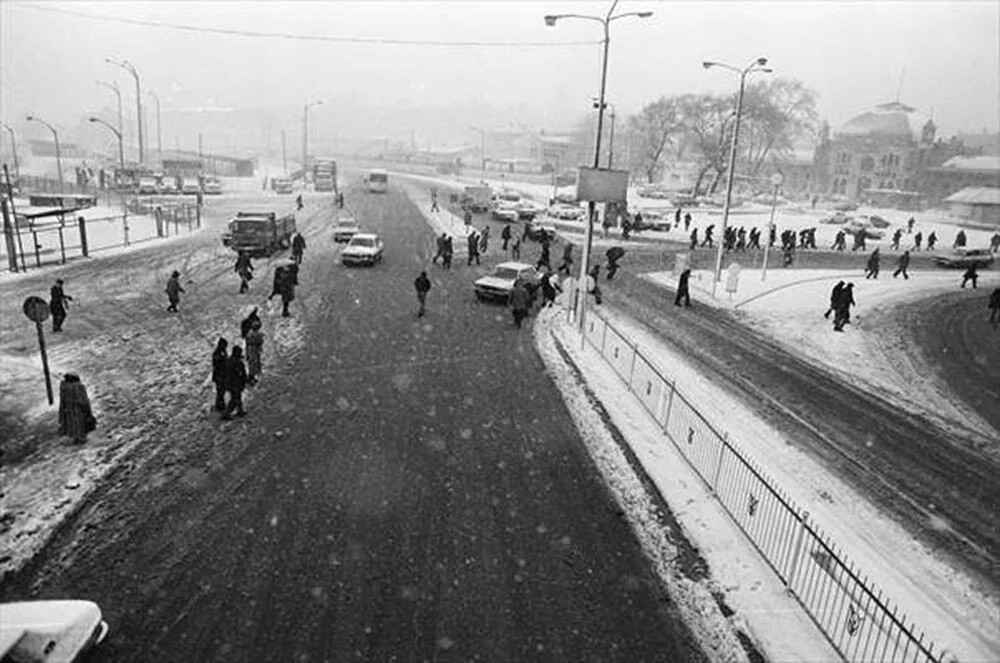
pixel 118 134
pixel 127 66
pixel 55 135
pixel 13 148
pixel 305 136
pixel 760 64
pixel 605 21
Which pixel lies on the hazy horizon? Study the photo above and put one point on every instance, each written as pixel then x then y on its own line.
pixel 942 58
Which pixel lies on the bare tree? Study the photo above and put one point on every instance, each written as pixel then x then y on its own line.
pixel 776 114
pixel 708 122
pixel 658 126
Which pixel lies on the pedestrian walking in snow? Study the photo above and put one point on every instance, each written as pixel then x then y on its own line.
pixel 994 307
pixel 614 254
pixel 219 357
pixel 931 241
pixel 970 275
pixel 298 202
pixel 76 418
pixel 441 243
pixel 548 289
pixel 871 271
pixel 995 242
pixel 422 284
pixel 298 247
pixel 247 323
pixel 842 314
pixel 515 247
pixel 484 239
pixel 449 251
pixel 917 239
pixel 592 285
pixel 244 268
pixel 708 236
pixel 959 240
pixel 683 289
pixel 434 201
pixel 255 349
pixel 902 264
pixel 472 242
pixel 286 277
pixel 677 218
pixel 567 259
pixel 687 220
pixel 58 303
pixel 909 225
pixel 543 259
pixel 505 236
pixel 834 298
pixel 896 236
pixel 236 382
pixel 520 301
pixel 174 291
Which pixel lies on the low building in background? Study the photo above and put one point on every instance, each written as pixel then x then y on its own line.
pixel 980 205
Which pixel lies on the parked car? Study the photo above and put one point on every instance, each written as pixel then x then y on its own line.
pixel 508 195
pixel 567 199
pixel 363 249
pixel 281 185
pixel 528 209
pixel 345 229
pixel 168 185
pixel 566 212
pixel 963 258
pixel 148 186
pixel 190 186
pixel 535 230
pixel 497 286
pixel 212 186
pixel 505 212
pixel 652 219
pixel 49 630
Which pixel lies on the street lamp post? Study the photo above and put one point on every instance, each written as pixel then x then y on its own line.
pixel 605 21
pixel 305 137
pixel 13 148
pixel 118 93
pixel 757 65
pixel 127 66
pixel 611 141
pixel 118 134
pixel 776 181
pixel 159 127
pixel 55 135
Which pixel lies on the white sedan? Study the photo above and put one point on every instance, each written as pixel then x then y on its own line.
pixel 363 249
pixel 345 229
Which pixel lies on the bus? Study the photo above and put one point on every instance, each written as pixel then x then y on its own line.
pixel 378 180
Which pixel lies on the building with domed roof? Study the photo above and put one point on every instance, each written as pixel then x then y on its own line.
pixel 880 155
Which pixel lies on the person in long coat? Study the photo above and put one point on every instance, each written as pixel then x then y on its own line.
pixel 422 285
pixel 449 251
pixel 57 305
pixel 236 382
pixel 248 321
pixel 219 356
pixel 174 291
pixel 683 289
pixel 255 347
pixel 76 419
pixel 298 247
pixel 902 264
pixel 505 235
pixel 286 277
pixel 871 271
pixel 244 268
pixel 520 300
pixel 843 308
pixel 472 244
pixel 834 298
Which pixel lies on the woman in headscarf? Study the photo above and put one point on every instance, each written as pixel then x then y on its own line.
pixel 75 416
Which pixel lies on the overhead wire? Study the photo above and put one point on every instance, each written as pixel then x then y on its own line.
pixel 258 34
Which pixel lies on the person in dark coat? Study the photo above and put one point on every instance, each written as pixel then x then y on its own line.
pixel 871 271
pixel 970 275
pixel 472 245
pixel 592 285
pixel 219 356
pixel 931 241
pixel 708 236
pixel 255 350
pixel 687 220
pixel 440 248
pixel 959 239
pixel 484 239
pixel 298 201
pixel 909 225
pixel 76 418
pixel 286 277
pixel 298 247
pixel 567 259
pixel 520 301
pixel 834 298
pixel 174 291
pixel 917 239
pixel 422 284
pixel 548 290
pixel 842 316
pixel 449 251
pixel 505 236
pixel 515 247
pixel 896 236
pixel 994 307
pixel 244 268
pixel 543 259
pixel 694 239
pixel 683 288
pixel 236 382
pixel 614 254
pixel 902 264
pixel 677 218
pixel 247 324
pixel 58 305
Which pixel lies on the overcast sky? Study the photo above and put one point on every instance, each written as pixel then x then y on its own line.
pixel 943 57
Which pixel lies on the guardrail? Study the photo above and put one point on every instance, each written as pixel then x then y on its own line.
pixel 852 613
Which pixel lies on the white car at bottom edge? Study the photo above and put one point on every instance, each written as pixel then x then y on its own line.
pixel 49 631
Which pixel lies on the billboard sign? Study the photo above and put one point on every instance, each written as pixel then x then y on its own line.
pixel 602 185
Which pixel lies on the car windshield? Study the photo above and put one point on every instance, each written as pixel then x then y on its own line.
pixel 505 273
pixel 249 225
pixel 362 241
pixel 347 223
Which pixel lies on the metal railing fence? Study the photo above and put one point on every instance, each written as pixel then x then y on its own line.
pixel 854 615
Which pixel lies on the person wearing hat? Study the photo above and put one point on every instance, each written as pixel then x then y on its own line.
pixel 57 305
pixel 174 291
pixel 76 419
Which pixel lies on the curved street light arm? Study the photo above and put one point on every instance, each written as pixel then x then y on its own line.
pixel 637 14
pixel 552 18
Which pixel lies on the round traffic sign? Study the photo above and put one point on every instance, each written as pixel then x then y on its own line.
pixel 777 179
pixel 36 308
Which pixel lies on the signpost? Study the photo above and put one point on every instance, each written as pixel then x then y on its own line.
pixel 37 310
pixel 776 181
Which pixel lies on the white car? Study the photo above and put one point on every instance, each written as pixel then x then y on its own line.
pixel 498 285
pixel 345 229
pixel 566 212
pixel 212 186
pixel 363 249
pixel 190 186
pixel 148 186
pixel 49 630
pixel 505 212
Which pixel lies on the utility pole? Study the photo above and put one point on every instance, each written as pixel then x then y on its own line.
pixel 284 154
